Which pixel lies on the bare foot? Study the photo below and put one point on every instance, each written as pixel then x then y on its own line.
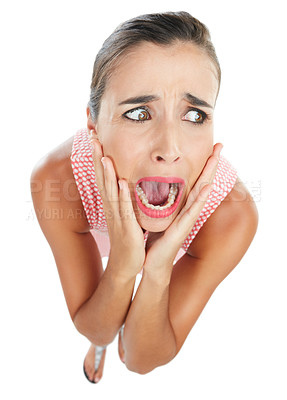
pixel 121 347
pixel 89 365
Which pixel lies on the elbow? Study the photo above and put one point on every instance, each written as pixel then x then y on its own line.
pixel 139 368
pixel 145 365
pixel 94 335
pixel 78 323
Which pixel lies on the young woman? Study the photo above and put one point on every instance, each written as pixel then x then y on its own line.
pixel 145 185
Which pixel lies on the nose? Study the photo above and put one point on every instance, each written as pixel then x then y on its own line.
pixel 166 147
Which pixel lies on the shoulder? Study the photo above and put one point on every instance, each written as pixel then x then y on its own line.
pixel 228 233
pixel 54 190
pixel 55 163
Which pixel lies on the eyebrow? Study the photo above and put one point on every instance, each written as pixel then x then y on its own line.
pixel 139 99
pixel 196 101
pixel 148 98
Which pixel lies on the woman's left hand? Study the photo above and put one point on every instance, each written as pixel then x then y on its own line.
pixel 162 247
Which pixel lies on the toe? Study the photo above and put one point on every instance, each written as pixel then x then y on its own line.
pixel 99 373
pixel 90 375
pixel 89 365
pixel 90 372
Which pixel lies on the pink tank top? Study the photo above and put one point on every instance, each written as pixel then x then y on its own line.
pixel 83 170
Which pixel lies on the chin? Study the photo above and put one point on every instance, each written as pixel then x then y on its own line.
pixel 154 224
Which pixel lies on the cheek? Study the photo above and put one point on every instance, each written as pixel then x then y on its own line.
pixel 205 150
pixel 196 155
pixel 122 151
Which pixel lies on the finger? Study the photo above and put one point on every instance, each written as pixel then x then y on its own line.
pixel 184 222
pixel 125 203
pixel 205 179
pixel 209 170
pixel 105 176
pixel 217 149
pixel 189 216
pixel 110 181
pixel 208 173
pixel 97 155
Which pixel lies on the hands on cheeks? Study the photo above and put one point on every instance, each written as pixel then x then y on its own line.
pixel 126 235
pixel 163 247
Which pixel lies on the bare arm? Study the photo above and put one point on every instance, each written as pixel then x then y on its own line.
pixel 103 314
pixel 149 338
pixel 168 304
pixel 168 301
pixel 98 301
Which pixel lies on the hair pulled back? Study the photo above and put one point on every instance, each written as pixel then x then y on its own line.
pixel 161 29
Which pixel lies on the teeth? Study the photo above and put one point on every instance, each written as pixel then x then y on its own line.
pixel 173 190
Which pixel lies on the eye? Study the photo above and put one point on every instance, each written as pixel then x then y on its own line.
pixel 195 116
pixel 139 114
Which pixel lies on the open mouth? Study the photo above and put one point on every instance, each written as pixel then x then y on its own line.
pixel 158 197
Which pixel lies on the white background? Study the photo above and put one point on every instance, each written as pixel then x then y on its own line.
pixel 237 349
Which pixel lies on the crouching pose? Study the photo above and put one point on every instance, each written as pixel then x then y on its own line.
pixel 145 185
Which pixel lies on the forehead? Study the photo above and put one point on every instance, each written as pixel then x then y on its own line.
pixel 160 70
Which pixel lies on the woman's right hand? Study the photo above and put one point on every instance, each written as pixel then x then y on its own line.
pixel 126 236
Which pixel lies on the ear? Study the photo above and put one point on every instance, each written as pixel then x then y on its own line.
pixel 90 123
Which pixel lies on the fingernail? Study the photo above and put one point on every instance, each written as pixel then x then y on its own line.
pixel 104 162
pixel 219 152
pixel 91 142
pixel 120 185
pixel 205 192
pixel 97 380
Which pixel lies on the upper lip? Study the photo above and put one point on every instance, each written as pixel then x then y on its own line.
pixel 167 179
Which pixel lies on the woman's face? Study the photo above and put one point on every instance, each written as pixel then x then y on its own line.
pixel 156 124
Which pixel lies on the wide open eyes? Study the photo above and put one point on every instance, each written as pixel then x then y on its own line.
pixel 139 114
pixel 196 116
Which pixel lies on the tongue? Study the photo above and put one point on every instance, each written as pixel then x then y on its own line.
pixel 156 192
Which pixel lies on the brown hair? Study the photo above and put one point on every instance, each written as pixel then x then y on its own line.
pixel 162 29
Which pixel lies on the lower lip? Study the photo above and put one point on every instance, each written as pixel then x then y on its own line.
pixel 159 213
